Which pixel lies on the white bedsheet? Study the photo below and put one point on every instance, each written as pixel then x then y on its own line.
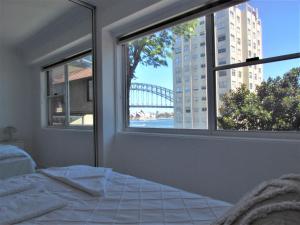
pixel 8 187
pixel 19 207
pixel 18 162
pixel 128 200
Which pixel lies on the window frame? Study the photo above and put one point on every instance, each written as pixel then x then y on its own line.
pixel 47 70
pixel 212 69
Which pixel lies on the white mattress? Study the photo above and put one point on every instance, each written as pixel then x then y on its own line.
pixel 128 200
pixel 17 165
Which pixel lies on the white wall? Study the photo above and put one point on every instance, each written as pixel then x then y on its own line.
pixel 224 168
pixel 15 95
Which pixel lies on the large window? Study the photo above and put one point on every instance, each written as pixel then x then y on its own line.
pixel 229 70
pixel 70 93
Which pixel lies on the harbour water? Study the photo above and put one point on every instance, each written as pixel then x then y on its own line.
pixel 158 123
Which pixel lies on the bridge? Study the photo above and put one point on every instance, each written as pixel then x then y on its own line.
pixel 150 96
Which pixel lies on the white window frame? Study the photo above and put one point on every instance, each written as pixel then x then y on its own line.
pixel 212 69
pixel 47 72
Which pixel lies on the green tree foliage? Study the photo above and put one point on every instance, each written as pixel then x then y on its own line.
pixel 281 97
pixel 241 110
pixel 153 50
pixel 274 106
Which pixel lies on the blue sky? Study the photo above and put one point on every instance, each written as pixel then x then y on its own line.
pixel 281 35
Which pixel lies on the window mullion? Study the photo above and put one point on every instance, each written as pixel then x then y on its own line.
pixel 211 80
pixel 67 102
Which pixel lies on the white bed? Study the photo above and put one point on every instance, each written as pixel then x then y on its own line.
pixel 14 161
pixel 128 200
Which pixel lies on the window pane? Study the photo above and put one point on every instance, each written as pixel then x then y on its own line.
pixel 80 92
pixel 56 111
pixel 56 81
pixel 166 78
pixel 56 95
pixel 260 97
pixel 257 29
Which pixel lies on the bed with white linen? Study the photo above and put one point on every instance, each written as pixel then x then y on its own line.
pixel 14 161
pixel 124 200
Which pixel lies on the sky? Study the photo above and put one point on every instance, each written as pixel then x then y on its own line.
pixel 280 35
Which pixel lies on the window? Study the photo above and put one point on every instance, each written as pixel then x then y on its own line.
pixel 70 93
pixel 221 38
pixel 221 50
pixel 222 73
pixel 228 75
pixel 222 62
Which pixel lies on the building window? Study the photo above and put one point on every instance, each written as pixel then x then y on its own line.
pixel 177 50
pixel 202 44
pixel 221 38
pixel 70 93
pixel 222 62
pixel 221 50
pixel 222 73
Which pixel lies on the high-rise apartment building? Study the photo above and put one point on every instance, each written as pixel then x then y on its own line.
pixel 238 37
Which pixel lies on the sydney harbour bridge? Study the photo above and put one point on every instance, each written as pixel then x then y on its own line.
pixel 150 96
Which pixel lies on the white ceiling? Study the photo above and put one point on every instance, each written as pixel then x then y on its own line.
pixel 21 19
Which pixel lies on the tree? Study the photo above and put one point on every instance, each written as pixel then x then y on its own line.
pixel 281 97
pixel 153 50
pixel 274 106
pixel 241 110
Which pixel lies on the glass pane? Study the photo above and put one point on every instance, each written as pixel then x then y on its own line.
pixel 56 111
pixel 257 29
pixel 261 97
pixel 56 81
pixel 56 92
pixel 80 73
pixel 166 74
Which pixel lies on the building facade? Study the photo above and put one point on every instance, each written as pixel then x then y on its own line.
pixel 238 36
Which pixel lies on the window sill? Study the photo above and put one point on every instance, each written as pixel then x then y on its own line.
pixel 291 136
pixel 70 129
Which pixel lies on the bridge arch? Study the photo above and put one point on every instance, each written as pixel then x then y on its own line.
pixel 150 96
